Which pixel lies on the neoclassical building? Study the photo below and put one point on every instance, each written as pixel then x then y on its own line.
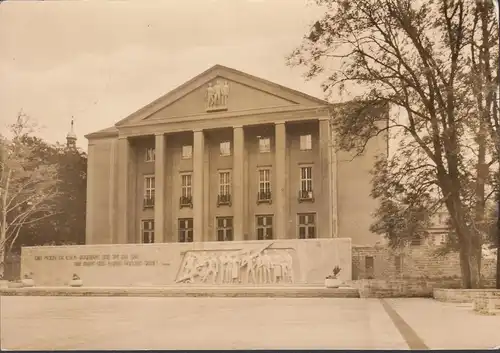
pixel 227 156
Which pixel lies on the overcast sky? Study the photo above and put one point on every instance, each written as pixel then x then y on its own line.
pixel 101 60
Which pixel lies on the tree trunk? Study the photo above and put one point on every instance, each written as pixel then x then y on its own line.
pixel 3 220
pixel 498 243
pixel 469 252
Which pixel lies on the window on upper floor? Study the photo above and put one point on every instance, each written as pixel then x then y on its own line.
pixel 187 152
pixel 149 191
pixel 264 185
pixel 148 231
pixel 224 196
pixel 306 142
pixel 225 148
pixel 186 190
pixel 306 183
pixel 150 155
pixel 264 144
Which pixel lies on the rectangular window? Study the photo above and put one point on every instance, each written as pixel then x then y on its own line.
pixel 187 152
pixel 185 230
pixel 148 231
pixel 264 185
pixel 225 183
pixel 225 148
pixel 305 142
pixel 264 227
pixel 224 228
pixel 306 179
pixel 149 191
pixel 264 144
pixel 307 226
pixel 150 155
pixel 186 184
pixel 186 199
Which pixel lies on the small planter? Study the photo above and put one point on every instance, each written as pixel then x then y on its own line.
pixel 332 282
pixel 76 283
pixel 28 282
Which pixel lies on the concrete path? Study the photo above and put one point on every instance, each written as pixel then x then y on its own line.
pixel 57 323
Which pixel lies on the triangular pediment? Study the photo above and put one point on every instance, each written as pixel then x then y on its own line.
pixel 220 89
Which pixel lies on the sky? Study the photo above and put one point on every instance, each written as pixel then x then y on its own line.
pixel 99 61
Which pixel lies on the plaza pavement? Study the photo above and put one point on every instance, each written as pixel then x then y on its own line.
pixel 62 323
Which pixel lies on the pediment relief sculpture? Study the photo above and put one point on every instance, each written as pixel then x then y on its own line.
pixel 217 96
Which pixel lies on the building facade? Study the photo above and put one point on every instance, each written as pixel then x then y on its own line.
pixel 227 156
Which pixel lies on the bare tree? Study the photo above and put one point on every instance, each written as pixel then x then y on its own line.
pixel 26 185
pixel 433 62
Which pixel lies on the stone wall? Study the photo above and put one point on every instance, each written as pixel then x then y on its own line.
pixel 459 295
pixel 380 262
pixel 293 261
pixel 395 288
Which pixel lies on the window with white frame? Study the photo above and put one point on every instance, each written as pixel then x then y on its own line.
pixel 148 231
pixel 187 152
pixel 306 178
pixel 264 184
pixel 225 183
pixel 264 144
pixel 225 148
pixel 150 154
pixel 185 230
pixel 224 228
pixel 306 142
pixel 186 184
pixel 264 227
pixel 149 190
pixel 307 225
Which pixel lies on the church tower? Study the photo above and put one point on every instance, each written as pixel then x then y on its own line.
pixel 71 137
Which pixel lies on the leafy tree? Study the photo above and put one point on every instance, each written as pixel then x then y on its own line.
pixel 27 187
pixel 67 225
pixel 432 62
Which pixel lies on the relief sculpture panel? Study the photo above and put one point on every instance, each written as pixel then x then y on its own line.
pixel 217 96
pixel 252 267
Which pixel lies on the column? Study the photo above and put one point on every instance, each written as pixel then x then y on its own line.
pixel 123 191
pixel 279 190
pixel 238 182
pixel 112 194
pixel 198 200
pixel 160 160
pixel 326 199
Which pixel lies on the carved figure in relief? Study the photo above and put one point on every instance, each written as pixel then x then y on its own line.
pixel 247 261
pixel 211 268
pixel 210 96
pixel 235 269
pixel 265 264
pixel 225 261
pixel 225 93
pixel 189 269
pixel 217 93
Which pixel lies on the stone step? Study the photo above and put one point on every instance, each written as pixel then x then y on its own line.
pixel 187 291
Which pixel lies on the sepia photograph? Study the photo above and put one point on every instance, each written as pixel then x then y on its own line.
pixel 249 175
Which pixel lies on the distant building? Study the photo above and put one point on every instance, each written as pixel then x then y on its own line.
pixel 71 137
pixel 227 156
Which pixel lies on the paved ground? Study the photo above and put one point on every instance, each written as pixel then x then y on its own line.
pixel 55 323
